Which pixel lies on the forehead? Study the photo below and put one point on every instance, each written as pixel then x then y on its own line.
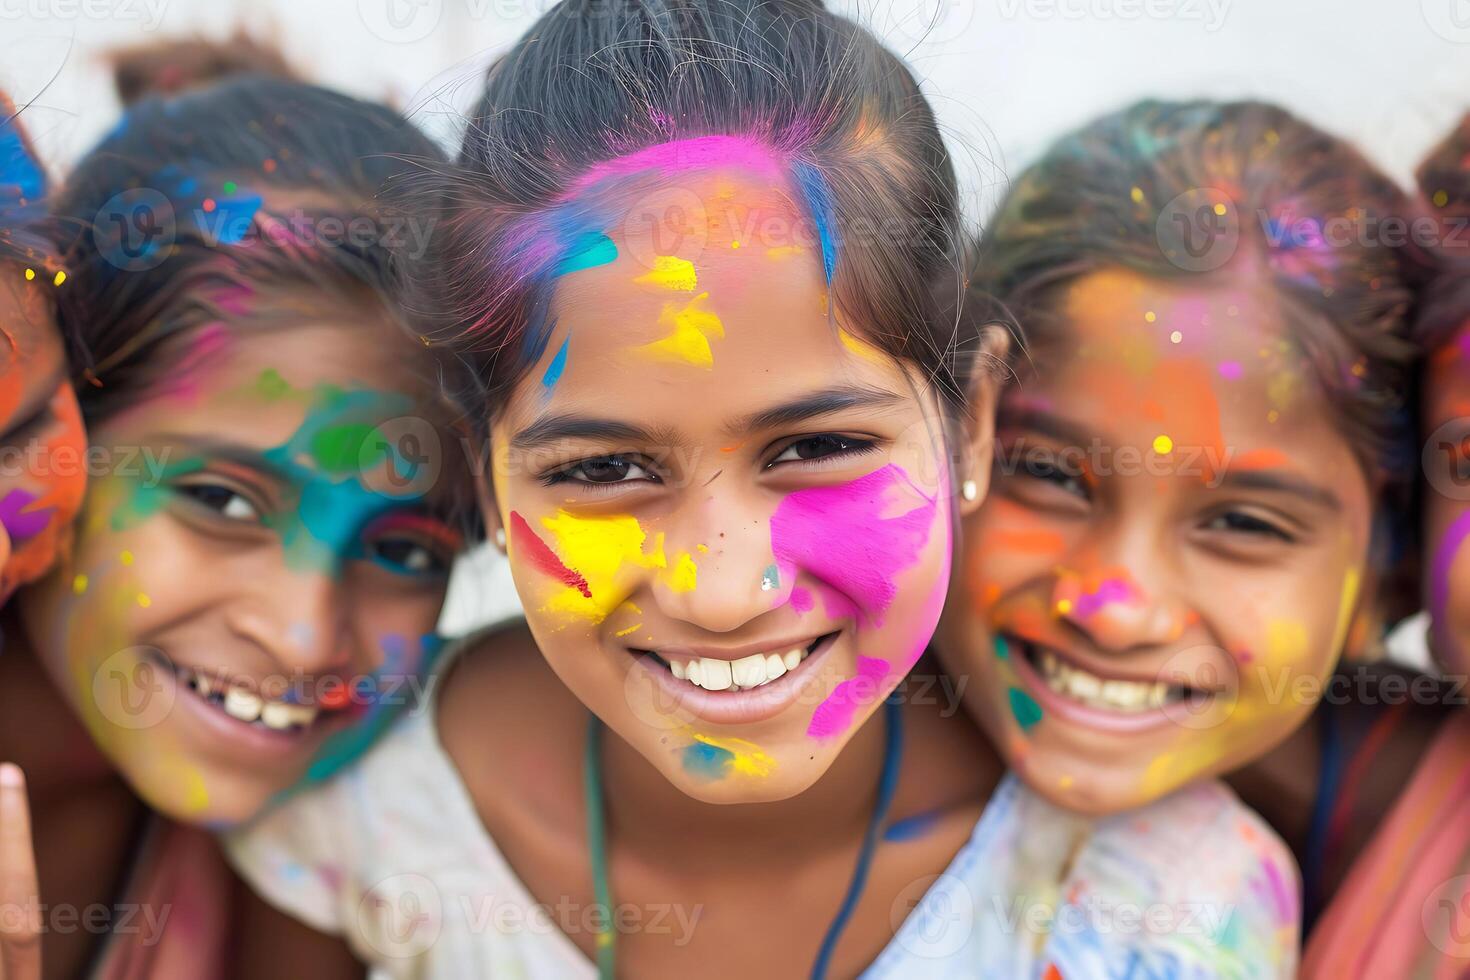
pixel 1209 361
pixel 264 381
pixel 709 293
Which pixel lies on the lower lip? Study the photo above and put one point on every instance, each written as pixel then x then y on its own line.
pixel 739 707
pixel 1081 714
pixel 245 738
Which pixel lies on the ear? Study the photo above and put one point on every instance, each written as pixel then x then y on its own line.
pixel 21 173
pixel 988 376
pixel 1368 626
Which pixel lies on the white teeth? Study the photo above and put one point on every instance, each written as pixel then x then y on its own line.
pixel 749 671
pixel 245 705
pixel 242 704
pixel 280 715
pixel 716 675
pixel 1128 697
pixel 745 674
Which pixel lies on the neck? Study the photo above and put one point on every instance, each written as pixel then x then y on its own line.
pixel 644 809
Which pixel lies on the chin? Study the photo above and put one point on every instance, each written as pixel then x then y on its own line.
pixel 225 805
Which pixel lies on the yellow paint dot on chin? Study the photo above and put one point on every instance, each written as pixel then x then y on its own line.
pixel 1220 210
pixel 1163 445
pixel 79 584
pixel 1175 337
pixel 1150 316
pixel 143 600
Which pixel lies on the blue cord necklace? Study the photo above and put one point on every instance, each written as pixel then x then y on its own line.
pixel 597 841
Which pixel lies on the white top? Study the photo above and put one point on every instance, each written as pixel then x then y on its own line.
pixel 391 855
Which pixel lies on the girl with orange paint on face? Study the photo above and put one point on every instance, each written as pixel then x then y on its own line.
pixel 42 480
pixel 1184 525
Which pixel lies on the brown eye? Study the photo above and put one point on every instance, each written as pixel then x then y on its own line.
pixel 221 499
pixel 822 446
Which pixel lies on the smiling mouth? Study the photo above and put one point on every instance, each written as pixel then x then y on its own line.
pixel 1066 679
pixel 242 704
pixel 745 674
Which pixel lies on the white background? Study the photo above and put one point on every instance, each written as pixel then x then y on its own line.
pixel 1006 76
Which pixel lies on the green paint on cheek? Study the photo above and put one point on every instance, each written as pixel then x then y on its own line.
pixel 1002 652
pixel 1024 707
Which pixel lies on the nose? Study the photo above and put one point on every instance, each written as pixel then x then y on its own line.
pixel 1122 597
pixel 734 577
pixel 299 620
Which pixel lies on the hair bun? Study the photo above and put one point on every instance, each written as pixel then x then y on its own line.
pixel 171 66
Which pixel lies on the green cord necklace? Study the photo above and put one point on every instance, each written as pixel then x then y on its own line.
pixel 597 841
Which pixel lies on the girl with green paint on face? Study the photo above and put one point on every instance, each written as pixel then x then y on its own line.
pixel 255 576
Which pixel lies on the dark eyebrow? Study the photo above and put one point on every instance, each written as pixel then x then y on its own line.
pixel 554 428
pixel 1276 481
pixel 1044 423
pixel 233 452
pixel 824 402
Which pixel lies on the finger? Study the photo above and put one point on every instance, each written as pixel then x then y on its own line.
pixel 20 907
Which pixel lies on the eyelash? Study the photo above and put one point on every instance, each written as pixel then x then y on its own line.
pixel 1258 526
pixel 196 492
pixel 849 447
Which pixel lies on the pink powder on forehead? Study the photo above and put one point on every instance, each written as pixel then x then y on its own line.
pixel 686 154
pixel 840 536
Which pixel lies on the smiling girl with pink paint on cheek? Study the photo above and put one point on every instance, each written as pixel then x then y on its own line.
pixel 729 403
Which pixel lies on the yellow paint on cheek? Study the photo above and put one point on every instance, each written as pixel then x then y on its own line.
pixel 684 574
pixel 1345 608
pixel 748 759
pixel 693 327
pixel 597 549
pixel 1286 640
pixel 671 272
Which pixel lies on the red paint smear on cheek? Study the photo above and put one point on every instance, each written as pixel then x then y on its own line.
pixel 542 558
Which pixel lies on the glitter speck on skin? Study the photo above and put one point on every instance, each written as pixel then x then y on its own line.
pixel 143 600
pixel 1150 316
pixel 1175 337
pixel 1220 210
pixel 60 278
pixel 30 274
pixel 1137 195
pixel 1163 445
pixel 1441 199
pixel 1064 606
pixel 79 584
pixel 126 557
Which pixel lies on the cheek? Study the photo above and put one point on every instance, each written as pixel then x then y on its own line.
pixel 37 509
pixel 1448 588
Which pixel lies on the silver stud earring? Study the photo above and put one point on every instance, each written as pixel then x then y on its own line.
pixel 500 538
pixel 970 491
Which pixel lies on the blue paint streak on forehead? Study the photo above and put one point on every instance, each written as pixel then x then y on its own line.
pixel 563 241
pixel 819 203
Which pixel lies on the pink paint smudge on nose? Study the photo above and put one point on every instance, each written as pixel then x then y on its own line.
pixel 834 715
pixel 20 522
pixel 1110 591
pixel 840 536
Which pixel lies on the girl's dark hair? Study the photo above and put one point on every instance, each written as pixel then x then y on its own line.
pixel 596 81
pixel 1444 184
pixel 1176 189
pixel 249 186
